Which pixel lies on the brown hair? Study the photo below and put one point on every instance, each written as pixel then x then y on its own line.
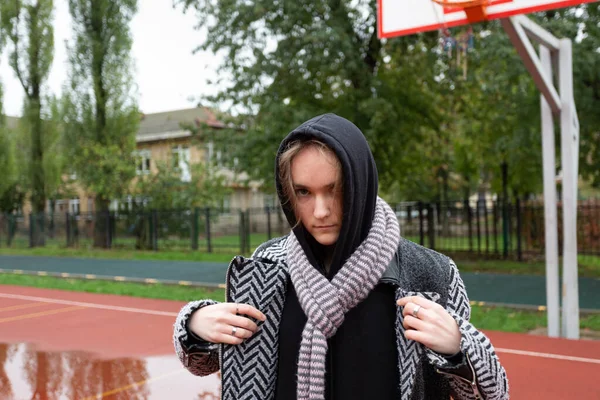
pixel 285 166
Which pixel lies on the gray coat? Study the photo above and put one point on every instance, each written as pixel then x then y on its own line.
pixel 249 369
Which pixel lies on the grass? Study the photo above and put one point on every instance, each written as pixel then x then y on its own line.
pixel 120 254
pixel 172 242
pixel 507 319
pixel 152 291
pixel 483 317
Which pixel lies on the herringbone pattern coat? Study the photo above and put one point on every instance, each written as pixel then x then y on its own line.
pixel 249 370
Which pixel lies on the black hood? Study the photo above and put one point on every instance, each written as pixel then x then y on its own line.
pixel 360 185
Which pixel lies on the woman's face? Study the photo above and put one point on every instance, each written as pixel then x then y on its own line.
pixel 317 188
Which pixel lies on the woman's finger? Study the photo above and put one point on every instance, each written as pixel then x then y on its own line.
pixel 239 321
pixel 411 322
pixel 416 311
pixel 228 339
pixel 246 309
pixel 423 302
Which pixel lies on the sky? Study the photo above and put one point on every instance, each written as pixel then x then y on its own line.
pixel 167 74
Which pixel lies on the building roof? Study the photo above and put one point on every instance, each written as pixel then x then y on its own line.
pixel 163 125
pixel 167 125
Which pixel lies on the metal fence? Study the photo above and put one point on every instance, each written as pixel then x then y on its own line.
pixel 491 229
pixel 474 228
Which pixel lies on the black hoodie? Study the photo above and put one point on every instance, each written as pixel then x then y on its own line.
pixel 362 355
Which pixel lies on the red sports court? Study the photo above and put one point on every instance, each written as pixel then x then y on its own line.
pixel 67 345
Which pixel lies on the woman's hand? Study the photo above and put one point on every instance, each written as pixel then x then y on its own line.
pixel 430 324
pixel 225 322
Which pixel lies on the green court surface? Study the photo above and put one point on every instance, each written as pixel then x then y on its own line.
pixel 486 287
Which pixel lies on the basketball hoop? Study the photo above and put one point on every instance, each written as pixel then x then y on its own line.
pixel 475 9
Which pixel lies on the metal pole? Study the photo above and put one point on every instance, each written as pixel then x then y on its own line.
pixel 421 225
pixel 569 132
pixel 194 228
pixel 268 210
pixel 208 238
pixel 551 227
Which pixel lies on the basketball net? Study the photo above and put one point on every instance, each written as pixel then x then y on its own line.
pixel 475 11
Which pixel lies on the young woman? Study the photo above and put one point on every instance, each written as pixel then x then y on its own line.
pixel 342 307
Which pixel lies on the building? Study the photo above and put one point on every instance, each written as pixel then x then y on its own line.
pixel 162 138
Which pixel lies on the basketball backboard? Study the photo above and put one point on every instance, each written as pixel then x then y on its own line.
pixel 405 17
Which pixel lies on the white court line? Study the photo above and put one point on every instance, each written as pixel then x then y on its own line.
pixel 89 305
pixel 549 355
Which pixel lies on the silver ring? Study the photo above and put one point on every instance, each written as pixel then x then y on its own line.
pixel 233 330
pixel 415 311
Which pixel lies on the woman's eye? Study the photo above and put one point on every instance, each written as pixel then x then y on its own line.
pixel 301 192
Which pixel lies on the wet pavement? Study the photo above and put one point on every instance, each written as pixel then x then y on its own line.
pixel 29 373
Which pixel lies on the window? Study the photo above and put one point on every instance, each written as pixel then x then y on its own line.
pixel 60 206
pixel 181 161
pixel 213 156
pixel 142 162
pixel 226 203
pixel 74 206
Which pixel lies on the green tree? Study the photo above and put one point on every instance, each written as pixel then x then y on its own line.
pixel 175 197
pixel 291 61
pixel 9 170
pixel 7 160
pixel 166 190
pixel 59 184
pixel 101 116
pixel 28 27
pixel 582 25
pixel 14 165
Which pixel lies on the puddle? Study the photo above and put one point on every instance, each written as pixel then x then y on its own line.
pixel 29 373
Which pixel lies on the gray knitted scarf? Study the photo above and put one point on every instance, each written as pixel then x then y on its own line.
pixel 326 302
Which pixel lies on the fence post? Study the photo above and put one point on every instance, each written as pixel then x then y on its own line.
pixel 469 224
pixel 194 229
pixel 108 238
pixel 478 226
pixel 248 230
pixel 421 232
pixel 519 226
pixel 242 232
pixel 208 238
pixel 495 225
pixel 154 230
pixel 31 228
pixel 75 230
pixel 431 226
pixel 486 224
pixel 68 229
pixel 12 228
pixel 505 227
pixel 268 209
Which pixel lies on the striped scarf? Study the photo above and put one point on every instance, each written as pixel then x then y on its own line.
pixel 326 302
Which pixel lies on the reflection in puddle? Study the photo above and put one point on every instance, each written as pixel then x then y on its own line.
pixel 28 373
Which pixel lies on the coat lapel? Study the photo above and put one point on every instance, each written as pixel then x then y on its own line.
pixel 409 351
pixel 249 370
